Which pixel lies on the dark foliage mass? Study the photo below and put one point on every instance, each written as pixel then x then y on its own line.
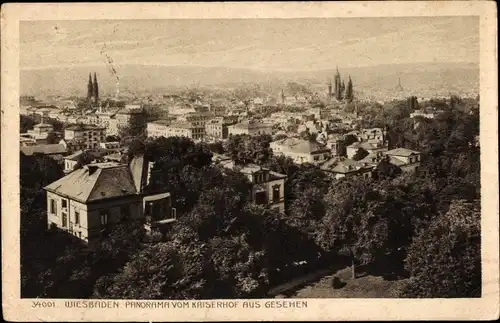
pixel 223 246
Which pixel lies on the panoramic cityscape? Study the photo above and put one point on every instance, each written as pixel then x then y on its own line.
pixel 250 158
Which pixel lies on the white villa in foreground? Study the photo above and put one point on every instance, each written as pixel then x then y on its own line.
pixel 89 200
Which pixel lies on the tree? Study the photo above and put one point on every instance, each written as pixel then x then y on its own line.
pixel 52 138
pixel 26 123
pixel 111 138
pixel 307 135
pixel 241 271
pixel 161 271
pixel 53 265
pixel 244 149
pixel 135 146
pixel 84 158
pixel 216 147
pixel 132 130
pixel 445 259
pixel 365 221
pixel 36 172
pixel 56 124
pixel 306 211
pixel 385 169
pixel 282 164
pixel 217 208
pixel 360 154
pixel 178 150
pixel 348 140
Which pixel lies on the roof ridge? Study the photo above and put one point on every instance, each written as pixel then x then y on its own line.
pixel 94 184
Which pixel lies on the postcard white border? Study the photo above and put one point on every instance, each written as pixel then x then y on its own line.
pixel 487 307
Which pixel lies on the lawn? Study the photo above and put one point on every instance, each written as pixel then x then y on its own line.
pixel 366 286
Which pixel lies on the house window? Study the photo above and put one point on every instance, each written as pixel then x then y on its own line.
pixel 260 198
pixel 64 220
pixel 77 217
pixel 276 193
pixel 64 204
pixel 125 212
pixel 104 218
pixel 53 209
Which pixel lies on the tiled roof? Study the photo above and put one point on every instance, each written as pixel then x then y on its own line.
pixel 371 158
pixel 43 125
pixel 275 175
pixel 82 127
pixel 252 168
pixel 43 149
pixel 249 124
pixel 365 145
pixel 401 152
pixel 115 157
pixel 396 161
pixel 162 122
pixel 302 146
pixel 181 125
pixel 344 166
pixel 95 182
pixel 74 156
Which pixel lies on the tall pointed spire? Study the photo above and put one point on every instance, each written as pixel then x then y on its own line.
pixel 90 88
pixel 96 89
pixel 399 87
pixel 330 91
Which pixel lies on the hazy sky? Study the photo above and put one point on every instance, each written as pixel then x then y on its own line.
pixel 281 44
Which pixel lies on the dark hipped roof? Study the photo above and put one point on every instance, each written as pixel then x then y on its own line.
pixel 95 182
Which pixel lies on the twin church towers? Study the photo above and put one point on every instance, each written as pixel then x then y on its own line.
pixel 93 91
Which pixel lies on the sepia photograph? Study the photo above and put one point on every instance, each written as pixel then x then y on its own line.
pixel 225 159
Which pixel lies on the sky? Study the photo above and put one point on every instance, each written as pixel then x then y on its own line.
pixel 263 44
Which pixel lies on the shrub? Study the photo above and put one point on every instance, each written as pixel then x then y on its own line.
pixel 337 282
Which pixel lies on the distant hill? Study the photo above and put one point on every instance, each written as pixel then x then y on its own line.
pixel 422 78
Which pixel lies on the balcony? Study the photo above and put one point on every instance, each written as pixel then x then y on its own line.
pixel 152 224
pixel 158 211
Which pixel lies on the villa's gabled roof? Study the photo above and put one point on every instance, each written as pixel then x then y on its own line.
pixel 95 182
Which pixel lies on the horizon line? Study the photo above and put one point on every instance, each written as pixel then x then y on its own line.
pixel 263 70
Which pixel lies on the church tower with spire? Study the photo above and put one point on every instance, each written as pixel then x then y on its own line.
pixel 90 90
pixel 96 90
pixel 330 91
